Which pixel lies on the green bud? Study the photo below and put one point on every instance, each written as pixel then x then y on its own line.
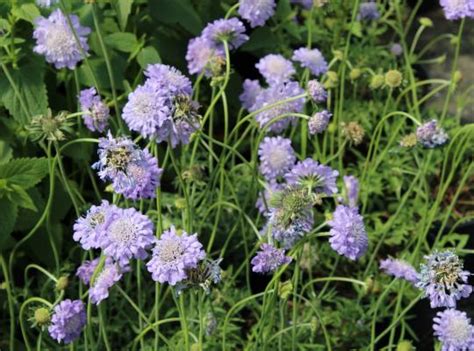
pixel 338 54
pixel 377 81
pixel 41 316
pixel 393 78
pixel 285 289
pixel 457 77
pixel 180 203
pixel 405 345
pixel 424 21
pixel 62 283
pixel 355 73
pixel 314 324
pixel 332 80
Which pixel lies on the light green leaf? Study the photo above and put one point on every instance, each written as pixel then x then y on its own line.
pixel 123 8
pixel 21 198
pixel 8 214
pixel 27 12
pixel 24 172
pixel 122 41
pixel 5 152
pixel 148 55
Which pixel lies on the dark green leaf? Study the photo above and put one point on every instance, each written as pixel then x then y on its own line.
pixel 148 55
pixel 261 38
pixel 5 152
pixel 24 172
pixel 8 214
pixel 123 8
pixel 20 197
pixel 176 12
pixel 125 41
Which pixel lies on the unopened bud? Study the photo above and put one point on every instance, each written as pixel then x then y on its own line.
pixel 405 345
pixel 62 283
pixel 42 316
pixel 355 73
pixel 377 81
pixel 424 21
pixel 393 78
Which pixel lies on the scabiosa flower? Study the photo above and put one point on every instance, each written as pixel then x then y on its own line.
pixel 268 259
pixel 263 200
pixel 86 270
pixel 256 12
pixel 231 30
pixel 251 90
pixel 129 235
pixel 272 95
pixel 173 255
pixel 443 279
pixel 454 329
pixel 399 269
pixel 134 172
pixel 351 184
pixel 90 230
pixel 316 91
pixel 348 235
pixel 431 135
pixel 46 3
pixel 201 55
pixel 321 178
pixel 368 11
pixel 456 9
pixel 276 157
pixel 311 59
pixel 97 111
pixel 67 321
pixel 55 40
pixel 109 275
pixel 319 122
pixel 396 49
pixel 275 68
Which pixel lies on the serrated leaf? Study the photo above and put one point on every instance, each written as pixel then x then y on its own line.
pixel 8 215
pixel 122 41
pixel 24 172
pixel 176 11
pixel 5 152
pixel 148 55
pixel 27 12
pixel 21 198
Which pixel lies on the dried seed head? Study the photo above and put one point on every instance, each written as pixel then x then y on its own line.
pixel 354 132
pixel 408 141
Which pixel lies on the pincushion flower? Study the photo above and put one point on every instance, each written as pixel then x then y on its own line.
pixel 443 279
pixel 230 30
pixel 319 122
pixel 129 235
pixel 272 95
pixel 457 9
pixel 133 172
pixel 348 235
pixel 173 255
pixel 312 59
pixel 105 279
pixel 396 49
pixel 256 12
pixel 368 11
pixel 321 178
pixel 351 184
pixel 268 259
pixel 316 91
pixel 201 55
pixel 263 201
pixel 98 112
pixel 276 157
pixel 86 270
pixel 249 96
pixel 454 329
pixel 275 69
pixel 56 41
pixel 399 269
pixel 67 321
pixel 431 135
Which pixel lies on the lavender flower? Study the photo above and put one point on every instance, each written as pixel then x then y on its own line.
pixel 456 9
pixel 443 279
pixel 431 135
pixel 86 270
pixel 396 49
pixel 368 11
pixel 399 269
pixel 275 69
pixel 319 122
pixel 97 111
pixel 46 3
pixel 321 178
pixel 91 229
pixel 109 275
pixel 272 95
pixel 311 59
pixel 268 259
pixel 55 40
pixel 276 157
pixel 134 172
pixel 173 255
pixel 316 91
pixel 256 12
pixel 231 30
pixel 68 320
pixel 249 96
pixel 263 200
pixel 348 235
pixel 351 184
pixel 454 329
pixel 129 235
pixel 201 55
pixel 307 4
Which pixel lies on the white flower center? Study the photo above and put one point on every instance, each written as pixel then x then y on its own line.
pixel 278 158
pixel 458 329
pixel 123 231
pixel 138 173
pixel 60 41
pixel 170 250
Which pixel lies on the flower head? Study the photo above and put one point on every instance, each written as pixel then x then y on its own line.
pixel 399 269
pixel 320 178
pixel 275 68
pixel 457 9
pixel 129 235
pixel 319 122
pixel 368 11
pixel 173 255
pixel 107 277
pixel 311 59
pixel 348 235
pixel 56 41
pixel 251 90
pixel 396 49
pixel 268 259
pixel 86 270
pixel 256 12
pixel 276 157
pixel 201 55
pixel 443 279
pixel 454 329
pixel 351 184
pixel 431 135
pixel 231 30
pixel 316 91
pixel 353 131
pixel 67 321
pixel 98 112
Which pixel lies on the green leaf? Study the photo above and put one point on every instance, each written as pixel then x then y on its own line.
pixel 24 172
pixel 30 98
pixel 122 41
pixel 356 29
pixel 100 71
pixel 123 8
pixel 21 198
pixel 261 38
pixel 148 55
pixel 27 12
pixel 8 214
pixel 176 12
pixel 5 152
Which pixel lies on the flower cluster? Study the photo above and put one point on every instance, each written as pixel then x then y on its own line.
pixel 96 111
pixel 67 321
pixel 268 259
pixel 312 59
pixel 457 9
pixel 256 12
pixel 430 135
pixel 399 269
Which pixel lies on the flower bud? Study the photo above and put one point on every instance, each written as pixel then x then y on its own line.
pixel 408 141
pixel 354 132
pixel 405 345
pixel 285 289
pixel 180 203
pixel 424 21
pixel 355 73
pixel 62 283
pixel 376 81
pixel 332 80
pixel 41 316
pixel 457 77
pixel 393 78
